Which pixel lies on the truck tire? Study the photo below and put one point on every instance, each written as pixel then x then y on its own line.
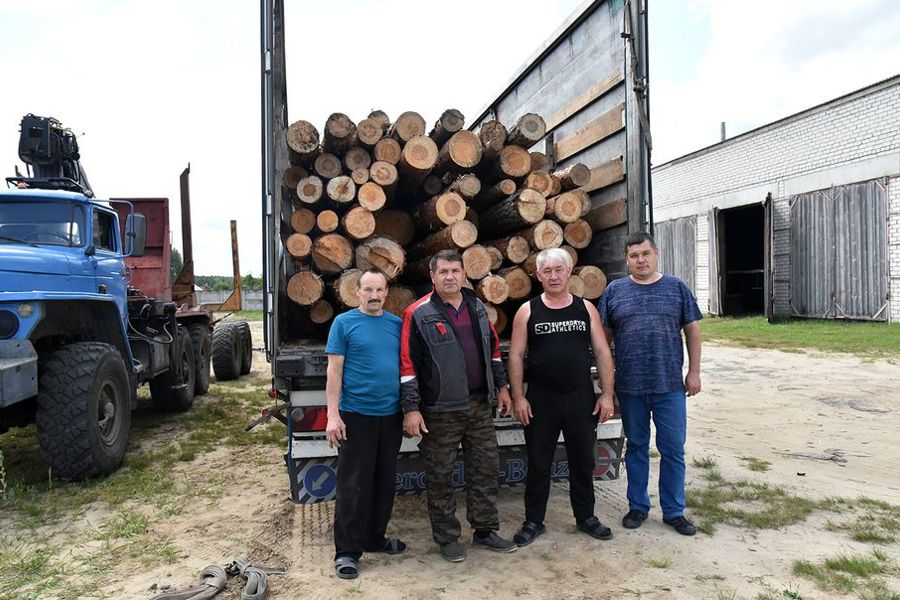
pixel 226 352
pixel 174 389
pixel 246 347
pixel 84 410
pixel 202 344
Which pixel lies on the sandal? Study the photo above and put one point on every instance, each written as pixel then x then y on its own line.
pixel 346 567
pixel 594 528
pixel 528 533
pixel 389 546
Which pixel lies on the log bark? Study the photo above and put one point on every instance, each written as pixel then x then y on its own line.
pixel 539 161
pixel 574 176
pixel 358 223
pixel 491 195
pixel 310 189
pixel 517 281
pixel 458 236
pixel 321 312
pixel 514 248
pixel 332 253
pixel 381 117
pixel 387 150
pixel 398 298
pixel 298 245
pixel 293 175
pixel 305 288
pixel 450 122
pixel 543 235
pixel 327 221
pixel 341 190
pixel 502 321
pixel 407 126
pixel 476 262
pixel 360 176
pixel 369 131
pixel 384 174
pixel 594 281
pixel 340 133
pixel 439 211
pixel 496 257
pixel 345 288
pixel 565 208
pixel 432 185
pixel 607 215
pixel 556 188
pixel 462 152
pixel 381 253
pixel 522 209
pixel 578 234
pixel 419 156
pixel 528 130
pixel 357 158
pixel 397 225
pixel 303 220
pixel 539 181
pixel 573 253
pixel 472 216
pixel 493 138
pixel 418 270
pixel 493 289
pixel 468 186
pixel 328 166
pixel 371 196
pixel 575 286
pixel 303 142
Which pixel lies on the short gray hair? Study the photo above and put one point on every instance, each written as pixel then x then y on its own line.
pixel 553 255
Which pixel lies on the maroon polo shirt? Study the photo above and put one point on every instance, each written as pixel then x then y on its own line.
pixel 462 324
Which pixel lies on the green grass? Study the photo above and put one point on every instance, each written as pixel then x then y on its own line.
pixel 661 562
pixel 703 462
pixel 756 464
pixel 868 339
pixel 846 573
pixel 245 315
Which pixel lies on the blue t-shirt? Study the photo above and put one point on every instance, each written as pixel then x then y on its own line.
pixel 371 350
pixel 646 321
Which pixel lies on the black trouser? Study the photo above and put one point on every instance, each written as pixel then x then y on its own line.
pixel 569 412
pixel 366 476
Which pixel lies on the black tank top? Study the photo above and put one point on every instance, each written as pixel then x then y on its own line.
pixel 559 343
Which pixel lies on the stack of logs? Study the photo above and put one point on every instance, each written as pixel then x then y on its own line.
pixel 388 195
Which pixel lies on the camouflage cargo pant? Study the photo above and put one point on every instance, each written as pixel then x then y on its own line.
pixel 473 428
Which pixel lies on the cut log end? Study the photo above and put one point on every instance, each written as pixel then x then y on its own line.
pixel 371 196
pixel 332 253
pixel 303 220
pixel 321 312
pixel 327 221
pixel 594 281
pixel 493 289
pixel 341 189
pixel 528 130
pixel 518 282
pixel 305 288
pixel 310 189
pixel 578 234
pixel 359 223
pixel 381 253
pixel 476 262
pixel 345 288
pixel 298 245
pixel 407 126
pixel 328 166
pixel 387 150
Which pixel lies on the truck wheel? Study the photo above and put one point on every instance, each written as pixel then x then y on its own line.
pixel 202 352
pixel 174 389
pixel 226 352
pixel 246 346
pixel 84 410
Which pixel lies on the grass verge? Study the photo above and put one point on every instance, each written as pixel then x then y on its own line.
pixel 847 573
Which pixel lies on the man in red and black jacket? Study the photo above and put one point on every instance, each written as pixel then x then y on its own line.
pixel 451 377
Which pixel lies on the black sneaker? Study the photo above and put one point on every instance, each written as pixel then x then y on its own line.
pixel 633 519
pixel 494 542
pixel 453 551
pixel 681 525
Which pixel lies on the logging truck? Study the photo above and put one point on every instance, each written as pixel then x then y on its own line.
pixel 559 158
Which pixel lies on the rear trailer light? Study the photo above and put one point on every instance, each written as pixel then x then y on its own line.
pixel 315 418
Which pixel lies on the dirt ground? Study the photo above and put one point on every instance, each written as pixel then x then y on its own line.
pixel 826 423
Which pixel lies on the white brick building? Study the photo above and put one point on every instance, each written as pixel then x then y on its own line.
pixel 800 217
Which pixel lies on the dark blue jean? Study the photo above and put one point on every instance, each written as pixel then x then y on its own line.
pixel 669 413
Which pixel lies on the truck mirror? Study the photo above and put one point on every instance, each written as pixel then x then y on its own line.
pixel 135 234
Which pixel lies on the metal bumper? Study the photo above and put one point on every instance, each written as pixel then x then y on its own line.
pixel 18 371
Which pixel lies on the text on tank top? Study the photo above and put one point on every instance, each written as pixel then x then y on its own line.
pixel 559 342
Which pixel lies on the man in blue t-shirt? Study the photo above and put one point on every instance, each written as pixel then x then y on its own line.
pixel 364 422
pixel 644 314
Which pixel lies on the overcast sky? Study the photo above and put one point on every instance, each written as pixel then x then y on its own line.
pixel 151 86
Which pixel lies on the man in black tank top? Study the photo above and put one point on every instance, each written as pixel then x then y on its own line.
pixel 559 330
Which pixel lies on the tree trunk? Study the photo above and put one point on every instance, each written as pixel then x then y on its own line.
pixel 357 158
pixel 539 181
pixel 340 133
pixel 387 150
pixel 578 234
pixel 607 215
pixel 514 248
pixel 518 282
pixel 381 253
pixel 543 235
pixel 491 195
pixel 468 186
pixel 328 166
pixel 565 208
pixel 556 188
pixel 321 312
pixel 528 130
pixel 514 163
pixel 450 122
pixel 462 152
pixel 493 138
pixel 327 221
pixel 382 119
pixel 293 175
pixel 332 253
pixel 492 289
pixel 594 281
pixel 539 161
pixel 418 158
pixel 369 132
pixel 575 286
pixel 398 298
pixel 458 236
pixel 407 126
pixel 303 220
pixel 371 196
pixel 305 288
pixel 444 209
pixel 303 142
pixel 309 190
pixel 476 262
pixel 418 270
pixel 522 209
pixel 384 174
pixel 345 288
pixel 573 253
pixel 341 190
pixel 397 225
pixel 472 216
pixel 358 223
pixel 298 245
pixel 574 176
pixel 360 176
pixel 502 320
